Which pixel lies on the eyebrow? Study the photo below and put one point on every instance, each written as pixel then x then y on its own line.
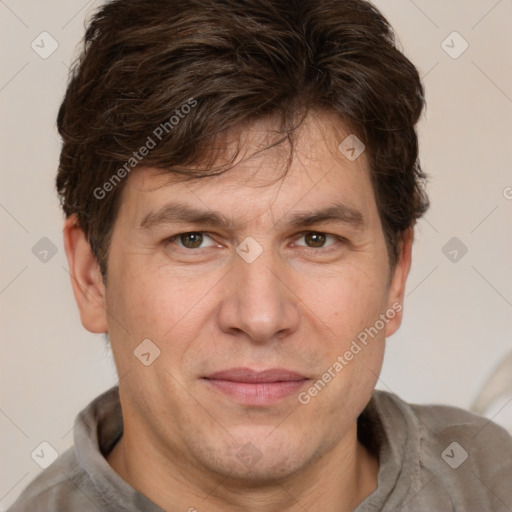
pixel 173 213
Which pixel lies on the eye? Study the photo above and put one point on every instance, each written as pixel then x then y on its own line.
pixel 192 240
pixel 316 239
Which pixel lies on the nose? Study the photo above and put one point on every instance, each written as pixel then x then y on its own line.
pixel 258 301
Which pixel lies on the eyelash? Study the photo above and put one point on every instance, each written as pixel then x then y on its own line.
pixel 337 238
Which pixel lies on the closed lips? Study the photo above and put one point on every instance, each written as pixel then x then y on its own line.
pixel 251 376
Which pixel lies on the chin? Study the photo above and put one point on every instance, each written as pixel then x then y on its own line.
pixel 264 472
pixel 257 459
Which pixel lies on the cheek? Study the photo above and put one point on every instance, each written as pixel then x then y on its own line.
pixel 346 301
pixel 154 304
pixel 353 345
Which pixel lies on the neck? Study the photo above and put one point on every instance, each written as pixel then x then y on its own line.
pixel 337 481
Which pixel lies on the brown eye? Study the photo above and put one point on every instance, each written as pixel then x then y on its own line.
pixel 313 239
pixel 317 240
pixel 191 240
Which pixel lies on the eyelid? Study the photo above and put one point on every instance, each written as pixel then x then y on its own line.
pixel 336 238
pixel 173 238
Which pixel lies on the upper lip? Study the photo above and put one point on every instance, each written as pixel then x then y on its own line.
pixel 248 375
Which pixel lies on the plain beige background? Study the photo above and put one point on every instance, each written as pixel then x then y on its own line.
pixel 457 314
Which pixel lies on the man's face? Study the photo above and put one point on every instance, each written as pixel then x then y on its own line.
pixel 294 296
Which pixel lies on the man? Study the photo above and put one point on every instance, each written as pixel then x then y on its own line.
pixel 241 182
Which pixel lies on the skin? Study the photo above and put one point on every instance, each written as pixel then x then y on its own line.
pixel 296 307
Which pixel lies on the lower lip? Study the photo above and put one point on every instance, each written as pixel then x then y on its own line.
pixel 258 393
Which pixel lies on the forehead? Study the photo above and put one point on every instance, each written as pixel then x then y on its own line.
pixel 312 173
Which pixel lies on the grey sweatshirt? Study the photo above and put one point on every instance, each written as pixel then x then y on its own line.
pixel 431 458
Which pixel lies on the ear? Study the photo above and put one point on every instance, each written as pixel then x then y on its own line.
pixel 398 280
pixel 86 280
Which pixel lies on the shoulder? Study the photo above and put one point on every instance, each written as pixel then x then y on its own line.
pixel 67 484
pixel 469 455
pixel 57 488
pixel 485 440
pixel 463 435
pixel 445 422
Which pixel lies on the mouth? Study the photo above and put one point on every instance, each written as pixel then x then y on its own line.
pixel 259 388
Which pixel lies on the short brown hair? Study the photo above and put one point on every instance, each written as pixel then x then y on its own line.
pixel 238 60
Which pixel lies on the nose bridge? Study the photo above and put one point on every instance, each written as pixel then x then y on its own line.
pixel 260 279
pixel 259 303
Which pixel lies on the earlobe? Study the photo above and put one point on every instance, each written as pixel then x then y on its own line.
pixel 88 287
pixel 398 281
